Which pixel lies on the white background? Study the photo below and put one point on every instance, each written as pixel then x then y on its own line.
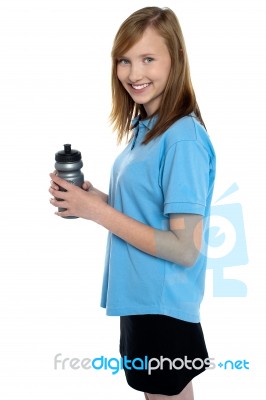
pixel 54 89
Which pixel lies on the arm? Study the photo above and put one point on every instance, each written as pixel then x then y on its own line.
pixel 180 244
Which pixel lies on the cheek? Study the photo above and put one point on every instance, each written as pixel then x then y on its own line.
pixel 121 74
pixel 167 67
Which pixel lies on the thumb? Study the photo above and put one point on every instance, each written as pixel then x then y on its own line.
pixel 87 186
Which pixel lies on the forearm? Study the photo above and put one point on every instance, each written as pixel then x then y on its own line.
pixel 132 231
pixel 158 243
pixel 179 244
pixel 172 248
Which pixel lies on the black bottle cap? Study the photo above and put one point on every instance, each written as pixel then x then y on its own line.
pixel 68 155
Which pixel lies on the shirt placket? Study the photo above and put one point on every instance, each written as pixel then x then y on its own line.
pixel 140 130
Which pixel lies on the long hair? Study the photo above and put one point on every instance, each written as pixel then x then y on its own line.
pixel 178 98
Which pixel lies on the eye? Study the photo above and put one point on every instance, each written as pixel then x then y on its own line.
pixel 123 61
pixel 148 60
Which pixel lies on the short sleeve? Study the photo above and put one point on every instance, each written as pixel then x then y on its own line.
pixel 185 178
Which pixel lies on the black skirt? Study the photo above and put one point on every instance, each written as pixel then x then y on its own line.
pixel 161 354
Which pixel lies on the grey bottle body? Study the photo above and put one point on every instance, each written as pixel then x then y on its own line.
pixel 69 170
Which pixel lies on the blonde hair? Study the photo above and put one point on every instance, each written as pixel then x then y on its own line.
pixel 178 99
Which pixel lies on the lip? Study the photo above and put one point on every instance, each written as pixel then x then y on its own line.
pixel 139 91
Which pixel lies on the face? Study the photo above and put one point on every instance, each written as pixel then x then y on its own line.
pixel 144 69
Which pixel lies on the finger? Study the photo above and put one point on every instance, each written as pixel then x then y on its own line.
pixel 62 213
pixel 58 194
pixel 86 186
pixel 54 172
pixel 58 202
pixel 61 182
pixel 54 186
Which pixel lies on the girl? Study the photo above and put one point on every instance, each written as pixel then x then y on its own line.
pixel 160 191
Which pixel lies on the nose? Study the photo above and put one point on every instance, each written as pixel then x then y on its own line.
pixel 135 73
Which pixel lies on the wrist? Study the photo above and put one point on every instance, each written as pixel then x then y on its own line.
pixel 101 214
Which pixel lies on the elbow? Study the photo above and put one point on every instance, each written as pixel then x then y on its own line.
pixel 189 258
pixel 187 262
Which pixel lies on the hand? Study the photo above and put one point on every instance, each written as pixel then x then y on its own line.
pixel 86 185
pixel 89 187
pixel 82 202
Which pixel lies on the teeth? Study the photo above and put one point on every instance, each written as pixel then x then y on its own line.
pixel 138 87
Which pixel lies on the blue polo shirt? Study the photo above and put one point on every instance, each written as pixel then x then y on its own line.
pixel 173 173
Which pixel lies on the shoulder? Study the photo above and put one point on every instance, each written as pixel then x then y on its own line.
pixel 187 131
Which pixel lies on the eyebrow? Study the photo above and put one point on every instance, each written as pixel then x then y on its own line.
pixel 141 55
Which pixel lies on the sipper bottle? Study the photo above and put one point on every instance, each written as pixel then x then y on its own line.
pixel 68 166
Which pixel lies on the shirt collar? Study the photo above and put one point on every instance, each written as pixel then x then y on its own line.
pixel 148 123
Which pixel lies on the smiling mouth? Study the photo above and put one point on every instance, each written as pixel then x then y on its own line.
pixel 139 87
